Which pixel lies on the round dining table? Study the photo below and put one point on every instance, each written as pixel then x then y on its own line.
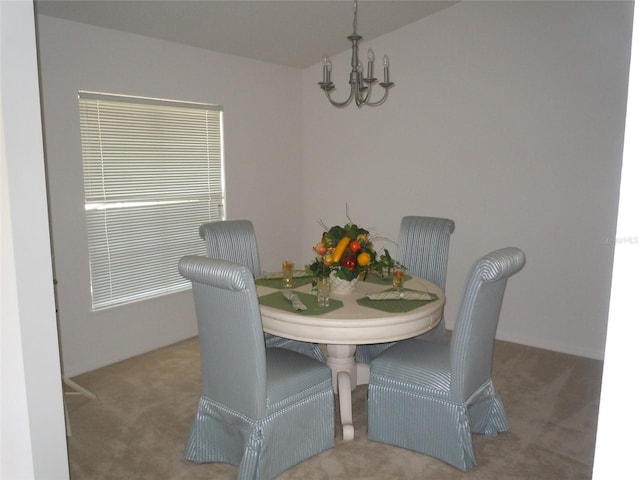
pixel 350 320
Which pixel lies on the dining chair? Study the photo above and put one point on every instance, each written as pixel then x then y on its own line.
pixel 235 240
pixel 430 397
pixel 423 248
pixel 262 409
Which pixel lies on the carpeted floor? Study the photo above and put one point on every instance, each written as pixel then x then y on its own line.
pixel 137 425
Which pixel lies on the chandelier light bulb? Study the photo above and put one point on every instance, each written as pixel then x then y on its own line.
pixel 327 62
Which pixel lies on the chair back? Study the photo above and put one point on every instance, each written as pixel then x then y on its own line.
pixel 232 240
pixel 423 247
pixel 232 350
pixel 475 329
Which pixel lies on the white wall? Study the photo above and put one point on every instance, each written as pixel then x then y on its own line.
pixel 508 118
pixel 263 145
pixel 32 434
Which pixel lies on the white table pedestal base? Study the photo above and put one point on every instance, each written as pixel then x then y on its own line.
pixel 347 374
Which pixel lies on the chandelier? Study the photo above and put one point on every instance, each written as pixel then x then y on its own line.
pixel 361 87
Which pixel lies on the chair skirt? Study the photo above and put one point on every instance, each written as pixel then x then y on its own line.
pixel 263 448
pixel 428 421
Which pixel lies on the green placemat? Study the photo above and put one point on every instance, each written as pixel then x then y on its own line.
pixel 395 306
pixel 277 300
pixel 277 282
pixel 384 281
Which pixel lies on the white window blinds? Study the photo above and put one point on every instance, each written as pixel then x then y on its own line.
pixel 153 173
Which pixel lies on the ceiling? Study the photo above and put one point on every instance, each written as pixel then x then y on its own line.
pixel 296 33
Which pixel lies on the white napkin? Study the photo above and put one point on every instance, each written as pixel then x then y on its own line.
pixel 401 295
pixel 295 301
pixel 274 275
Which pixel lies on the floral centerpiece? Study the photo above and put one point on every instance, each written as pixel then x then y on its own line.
pixel 346 253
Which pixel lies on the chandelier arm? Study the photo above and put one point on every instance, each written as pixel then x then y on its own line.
pixel 340 104
pixel 381 101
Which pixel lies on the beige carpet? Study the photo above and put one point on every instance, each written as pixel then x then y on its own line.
pixel 137 426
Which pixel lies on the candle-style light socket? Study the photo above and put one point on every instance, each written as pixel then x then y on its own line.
pixel 371 58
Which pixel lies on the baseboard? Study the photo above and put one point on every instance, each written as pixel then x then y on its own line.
pixel 88 365
pixel 555 347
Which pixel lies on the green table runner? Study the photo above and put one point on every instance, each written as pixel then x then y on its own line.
pixel 277 300
pixel 395 306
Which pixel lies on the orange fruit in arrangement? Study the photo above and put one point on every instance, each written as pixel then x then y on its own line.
pixel 364 259
pixel 320 248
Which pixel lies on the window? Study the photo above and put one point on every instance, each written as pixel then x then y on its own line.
pixel 153 173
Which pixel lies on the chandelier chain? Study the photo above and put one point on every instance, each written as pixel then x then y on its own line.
pixel 355 17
